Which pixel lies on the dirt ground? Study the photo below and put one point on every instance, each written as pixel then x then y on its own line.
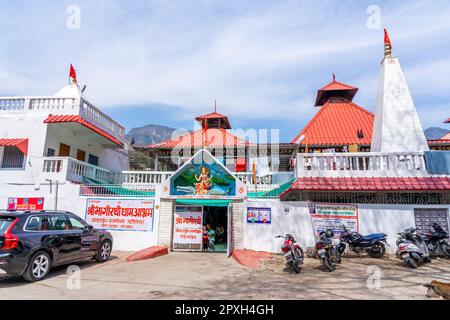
pixel 213 276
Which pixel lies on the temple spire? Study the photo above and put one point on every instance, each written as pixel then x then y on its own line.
pixel 397 126
pixel 387 44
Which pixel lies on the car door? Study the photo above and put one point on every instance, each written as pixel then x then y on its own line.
pixel 66 242
pixel 89 240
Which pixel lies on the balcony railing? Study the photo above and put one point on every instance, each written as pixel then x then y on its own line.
pixel 62 169
pixel 369 164
pixel 63 106
pixel 144 179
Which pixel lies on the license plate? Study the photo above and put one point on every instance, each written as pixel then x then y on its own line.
pixel 321 251
pixel 404 255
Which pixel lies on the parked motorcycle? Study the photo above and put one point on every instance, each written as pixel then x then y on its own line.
pixel 437 241
pixel 293 252
pixel 373 244
pixel 328 250
pixel 412 248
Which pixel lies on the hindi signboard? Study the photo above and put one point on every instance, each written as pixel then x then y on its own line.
pixel 188 228
pixel 333 216
pixel 120 214
pixel 25 204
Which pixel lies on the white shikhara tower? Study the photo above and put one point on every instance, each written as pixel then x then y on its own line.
pixel 397 126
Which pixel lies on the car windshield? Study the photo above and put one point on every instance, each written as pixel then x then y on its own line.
pixel 5 222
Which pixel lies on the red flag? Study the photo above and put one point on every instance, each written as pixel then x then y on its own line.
pixel 387 40
pixel 73 74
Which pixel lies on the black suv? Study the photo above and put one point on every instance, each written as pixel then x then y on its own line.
pixel 33 242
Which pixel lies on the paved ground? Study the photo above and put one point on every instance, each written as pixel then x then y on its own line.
pixel 197 276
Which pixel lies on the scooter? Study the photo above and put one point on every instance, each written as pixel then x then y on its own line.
pixel 328 250
pixel 373 244
pixel 412 248
pixel 437 241
pixel 293 252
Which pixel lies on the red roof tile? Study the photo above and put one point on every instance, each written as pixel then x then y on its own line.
pixel 80 120
pixel 203 138
pixel 337 123
pixel 371 184
pixel 21 144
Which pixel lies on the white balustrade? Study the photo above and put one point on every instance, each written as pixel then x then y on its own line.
pixel 63 106
pixel 62 169
pixel 367 164
pixel 130 179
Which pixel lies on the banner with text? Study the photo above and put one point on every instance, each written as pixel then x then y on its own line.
pixel 25 204
pixel 333 216
pixel 188 227
pixel 120 214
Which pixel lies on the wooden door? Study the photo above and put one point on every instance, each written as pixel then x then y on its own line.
pixel 64 150
pixel 81 155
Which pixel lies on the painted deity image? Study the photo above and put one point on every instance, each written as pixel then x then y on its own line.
pixel 202 179
pixel 203 182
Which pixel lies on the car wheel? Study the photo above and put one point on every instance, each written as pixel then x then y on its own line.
pixel 104 252
pixel 38 267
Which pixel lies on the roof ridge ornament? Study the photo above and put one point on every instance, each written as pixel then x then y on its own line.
pixel 387 44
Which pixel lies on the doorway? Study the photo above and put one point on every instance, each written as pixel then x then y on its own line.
pixel 64 150
pixel 217 219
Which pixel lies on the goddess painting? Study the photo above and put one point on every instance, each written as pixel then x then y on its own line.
pixel 203 182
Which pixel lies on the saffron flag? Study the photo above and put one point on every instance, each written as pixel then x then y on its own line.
pixel 73 74
pixel 387 40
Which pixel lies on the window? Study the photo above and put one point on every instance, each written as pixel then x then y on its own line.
pixel 13 158
pixel 36 223
pixel 76 224
pixel 58 222
pixel 93 160
pixel 5 223
pixel 51 152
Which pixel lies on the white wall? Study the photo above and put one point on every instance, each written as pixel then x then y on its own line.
pixel 389 219
pixel 261 237
pixel 69 200
pixel 25 126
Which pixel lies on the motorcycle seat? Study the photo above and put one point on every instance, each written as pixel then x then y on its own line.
pixel 372 237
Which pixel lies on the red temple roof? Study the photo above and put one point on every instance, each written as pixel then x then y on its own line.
pixel 338 122
pixel 78 119
pixel 371 184
pixel 203 138
pixel 335 89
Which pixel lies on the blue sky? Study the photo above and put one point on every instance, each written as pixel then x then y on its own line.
pixel 164 62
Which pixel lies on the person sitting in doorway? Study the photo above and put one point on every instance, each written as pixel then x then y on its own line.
pixel 211 237
pixel 220 234
pixel 205 239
